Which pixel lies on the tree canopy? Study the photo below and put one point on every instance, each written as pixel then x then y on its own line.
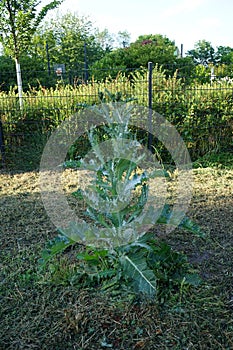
pixel 154 48
pixel 19 22
pixel 67 37
pixel 205 54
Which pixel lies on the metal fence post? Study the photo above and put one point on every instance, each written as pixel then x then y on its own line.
pixel 2 147
pixel 85 62
pixel 150 135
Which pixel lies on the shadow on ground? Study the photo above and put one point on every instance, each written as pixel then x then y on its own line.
pixel 36 314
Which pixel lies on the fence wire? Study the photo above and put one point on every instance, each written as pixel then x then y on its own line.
pixel 201 110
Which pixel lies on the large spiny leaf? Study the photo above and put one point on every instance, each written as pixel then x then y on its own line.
pixel 136 269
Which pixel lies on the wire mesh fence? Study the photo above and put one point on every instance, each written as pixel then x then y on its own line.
pixel 202 111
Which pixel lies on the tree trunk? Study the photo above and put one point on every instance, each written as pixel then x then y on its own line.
pixel 19 82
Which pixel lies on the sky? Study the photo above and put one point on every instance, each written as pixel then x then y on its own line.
pixel 184 21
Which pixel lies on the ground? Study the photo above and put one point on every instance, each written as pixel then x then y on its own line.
pixel 36 313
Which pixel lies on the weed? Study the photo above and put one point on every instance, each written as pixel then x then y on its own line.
pixel 115 200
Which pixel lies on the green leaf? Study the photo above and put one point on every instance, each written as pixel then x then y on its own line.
pixel 193 279
pixel 136 269
pixel 191 226
pixel 72 164
pixel 130 184
pixel 78 194
pixel 124 165
pixel 54 247
pixel 168 217
pixel 94 255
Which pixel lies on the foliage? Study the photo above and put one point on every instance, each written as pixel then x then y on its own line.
pixel 7 67
pixel 215 160
pixel 108 41
pixel 115 200
pixel 19 22
pixel 203 53
pixel 201 112
pixel 147 267
pixel 147 48
pixel 185 69
pixel 224 55
pixel 55 246
pixel 36 76
pixel 157 49
pixel 202 74
pixel 67 37
pixel 105 39
pixel 224 71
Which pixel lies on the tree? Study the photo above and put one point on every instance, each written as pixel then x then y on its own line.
pixel 155 48
pixel 71 40
pixel 123 39
pixel 105 39
pixel 19 22
pixel 203 53
pixel 224 55
pixel 108 41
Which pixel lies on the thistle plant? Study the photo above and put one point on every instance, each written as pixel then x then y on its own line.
pixel 119 208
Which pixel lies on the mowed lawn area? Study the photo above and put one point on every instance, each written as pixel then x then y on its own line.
pixel 48 310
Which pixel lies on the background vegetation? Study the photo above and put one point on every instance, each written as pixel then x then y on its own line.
pixel 193 92
pixel 202 112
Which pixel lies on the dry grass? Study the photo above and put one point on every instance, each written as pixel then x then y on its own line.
pixel 36 313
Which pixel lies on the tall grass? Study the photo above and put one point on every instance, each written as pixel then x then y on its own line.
pixel 202 113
